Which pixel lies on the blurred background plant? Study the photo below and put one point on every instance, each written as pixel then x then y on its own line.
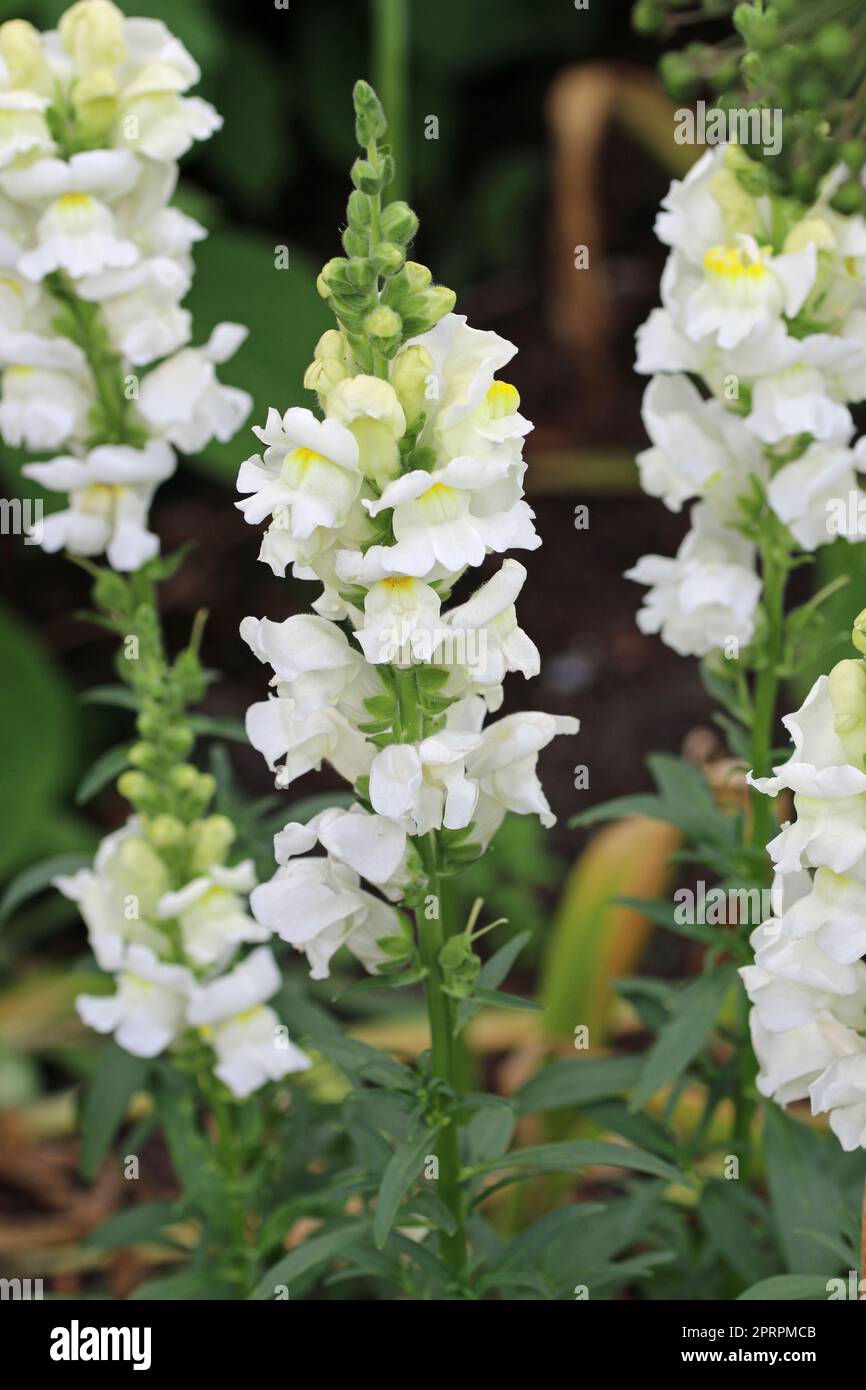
pixel 528 133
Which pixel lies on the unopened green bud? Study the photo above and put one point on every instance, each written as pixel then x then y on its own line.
pixel 849 197
pixel 424 311
pixel 370 123
pixel 833 44
pixel 383 323
pixel 354 242
pixel 677 75
pixel 166 832
pixel 359 209
pixel 759 28
pixel 399 222
pixel 322 287
pixel 146 755
pixel 136 788
pixel 367 178
pixel 211 840
pixel 418 277
pixel 853 153
pixel 387 257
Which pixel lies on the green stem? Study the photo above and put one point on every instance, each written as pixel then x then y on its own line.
pixel 431 937
pixel 440 1013
pixel 390 69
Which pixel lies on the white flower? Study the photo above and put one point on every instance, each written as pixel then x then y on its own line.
pixel 110 493
pixel 744 287
pixel 484 638
pixel 251 1045
pixel 119 896
pixel 302 745
pixel 707 595
pixel 371 845
pixel 401 621
pixel 503 764
pixel 77 234
pixel 141 307
pixel 185 403
pixel 23 128
pixel 796 401
pixel 841 1090
pixel 819 766
pixel 699 448
pixel 210 913
pixel 314 665
pixel 453 516
pixel 148 1010
pixel 790 1061
pixel 317 905
pixel 44 409
pixel 802 493
pixel 308 477
pixel 425 787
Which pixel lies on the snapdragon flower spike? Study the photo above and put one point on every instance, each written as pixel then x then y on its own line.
pixel 755 356
pixel 173 949
pixel 807 985
pixel 402 486
pixel 95 362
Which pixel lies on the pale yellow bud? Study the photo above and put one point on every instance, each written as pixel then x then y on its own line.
pixel 323 375
pixel 212 839
pixel 847 683
pixel 858 634
pixel 410 375
pixel 22 53
pixel 92 31
pixel 94 98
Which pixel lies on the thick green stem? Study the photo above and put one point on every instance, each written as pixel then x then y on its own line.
pixel 390 66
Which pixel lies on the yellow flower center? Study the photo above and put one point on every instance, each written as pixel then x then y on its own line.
pixel 398 581
pixel 73 200
pixel 731 263
pixel 503 399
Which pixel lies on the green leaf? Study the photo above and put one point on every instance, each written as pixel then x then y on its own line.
pixel 805 1192
pixel 573 1154
pixel 135 1226
pixel 38 877
pixel 39 713
pixel 642 804
pixel 186 1285
pixel 404 1168
pixel 208 726
pixel 578 1083
pixel 108 765
pixel 803 1288
pixel 119 695
pixel 499 1000
pixel 118 1076
pixel 313 1253
pixel 695 1014
pixel 491 974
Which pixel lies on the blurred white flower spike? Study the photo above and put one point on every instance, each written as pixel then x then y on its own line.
pixel 94 340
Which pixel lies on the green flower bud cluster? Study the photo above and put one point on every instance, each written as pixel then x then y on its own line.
pixel 793 56
pixel 160 783
pixel 379 297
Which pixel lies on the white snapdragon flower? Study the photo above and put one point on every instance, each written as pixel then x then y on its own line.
pixel 210 913
pixel 504 763
pixel 141 307
pixel 307 478
pixel 110 493
pixel 402 621
pixel 371 411
pixel 454 516
pixel 119 896
pixel 803 493
pixel 808 983
pixel 699 448
pixel 314 665
pixel 183 401
pixel 425 787
pixel 318 905
pixel 705 597
pixel 292 747
pixel 24 130
pixel 232 1016
pixel 148 1010
pixel 42 408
